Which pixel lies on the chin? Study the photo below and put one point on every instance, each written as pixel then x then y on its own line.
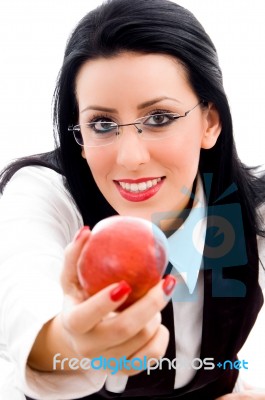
pixel 129 212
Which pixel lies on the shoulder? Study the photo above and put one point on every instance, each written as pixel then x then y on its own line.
pixel 38 180
pixel 39 191
pixel 35 176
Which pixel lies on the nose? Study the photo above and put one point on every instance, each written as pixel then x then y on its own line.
pixel 132 150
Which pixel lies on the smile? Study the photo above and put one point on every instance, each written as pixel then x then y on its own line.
pixel 139 189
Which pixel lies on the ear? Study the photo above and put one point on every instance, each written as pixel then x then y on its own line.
pixel 83 153
pixel 213 127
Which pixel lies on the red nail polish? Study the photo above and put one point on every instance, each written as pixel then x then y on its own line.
pixel 169 284
pixel 79 234
pixel 119 291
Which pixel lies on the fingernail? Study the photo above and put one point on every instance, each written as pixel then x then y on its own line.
pixel 119 291
pixel 169 284
pixel 80 232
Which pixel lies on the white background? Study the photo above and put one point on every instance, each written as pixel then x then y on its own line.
pixel 33 35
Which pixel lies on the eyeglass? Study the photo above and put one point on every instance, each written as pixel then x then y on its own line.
pixel 103 132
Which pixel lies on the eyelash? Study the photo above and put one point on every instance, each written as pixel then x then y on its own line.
pixel 97 117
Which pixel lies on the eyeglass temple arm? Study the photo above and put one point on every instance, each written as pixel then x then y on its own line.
pixel 71 128
pixel 187 112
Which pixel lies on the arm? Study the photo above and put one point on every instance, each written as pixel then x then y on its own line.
pixel 38 222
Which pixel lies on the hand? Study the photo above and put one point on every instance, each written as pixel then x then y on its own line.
pixel 92 327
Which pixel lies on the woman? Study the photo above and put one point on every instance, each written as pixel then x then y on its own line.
pixel 143 128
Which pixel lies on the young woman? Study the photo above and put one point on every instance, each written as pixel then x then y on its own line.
pixel 142 128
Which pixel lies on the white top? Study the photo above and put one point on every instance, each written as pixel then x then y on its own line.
pixel 38 218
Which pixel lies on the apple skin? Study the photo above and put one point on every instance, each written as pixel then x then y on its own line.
pixel 123 248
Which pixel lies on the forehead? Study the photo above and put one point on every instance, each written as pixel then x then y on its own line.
pixel 129 75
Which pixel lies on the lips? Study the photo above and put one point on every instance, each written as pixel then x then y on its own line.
pixel 139 189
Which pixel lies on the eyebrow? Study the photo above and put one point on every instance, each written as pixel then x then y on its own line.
pixel 139 107
pixel 154 101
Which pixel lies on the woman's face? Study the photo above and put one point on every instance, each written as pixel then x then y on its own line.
pixel 140 177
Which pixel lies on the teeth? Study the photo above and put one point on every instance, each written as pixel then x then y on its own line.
pixel 142 186
pixel 149 184
pixel 139 187
pixel 123 185
pixel 134 187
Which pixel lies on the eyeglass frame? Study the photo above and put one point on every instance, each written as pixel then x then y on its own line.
pixel 73 128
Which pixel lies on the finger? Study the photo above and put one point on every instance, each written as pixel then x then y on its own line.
pixel 153 350
pixel 69 279
pixel 132 320
pixel 133 345
pixel 148 355
pixel 81 318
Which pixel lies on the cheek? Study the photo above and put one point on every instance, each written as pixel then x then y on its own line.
pixel 99 163
pixel 183 153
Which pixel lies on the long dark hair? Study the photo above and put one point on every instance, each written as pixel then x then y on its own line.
pixel 150 26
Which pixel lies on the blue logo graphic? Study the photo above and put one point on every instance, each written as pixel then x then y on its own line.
pixel 210 237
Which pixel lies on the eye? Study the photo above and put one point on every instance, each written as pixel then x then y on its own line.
pixel 103 125
pixel 160 119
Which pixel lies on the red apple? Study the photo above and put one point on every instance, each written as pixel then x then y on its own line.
pixel 123 248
